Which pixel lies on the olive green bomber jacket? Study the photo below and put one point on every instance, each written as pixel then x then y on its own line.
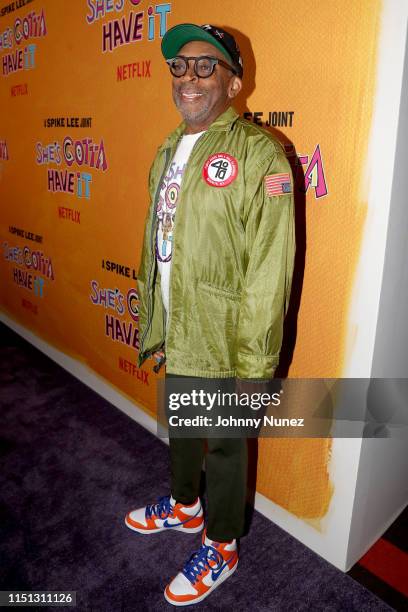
pixel 232 258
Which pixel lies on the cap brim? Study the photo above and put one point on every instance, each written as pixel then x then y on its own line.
pixel 181 34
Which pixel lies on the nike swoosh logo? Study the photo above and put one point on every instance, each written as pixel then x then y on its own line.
pixel 166 524
pixel 215 574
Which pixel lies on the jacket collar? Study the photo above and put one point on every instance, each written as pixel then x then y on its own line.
pixel 223 122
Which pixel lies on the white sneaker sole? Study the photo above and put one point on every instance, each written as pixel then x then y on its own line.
pixel 175 528
pixel 198 599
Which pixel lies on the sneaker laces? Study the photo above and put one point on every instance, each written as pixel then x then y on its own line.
pixel 200 562
pixel 161 510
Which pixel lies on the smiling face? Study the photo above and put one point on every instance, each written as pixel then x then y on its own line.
pixel 201 101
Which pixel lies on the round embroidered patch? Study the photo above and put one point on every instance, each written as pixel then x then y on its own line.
pixel 220 170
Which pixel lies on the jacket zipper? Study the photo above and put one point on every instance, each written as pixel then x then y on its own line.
pixel 153 251
pixel 194 149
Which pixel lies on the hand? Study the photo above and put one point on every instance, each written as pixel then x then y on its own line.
pixel 158 355
pixel 160 358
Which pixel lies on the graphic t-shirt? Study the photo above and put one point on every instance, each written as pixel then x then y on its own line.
pixel 166 211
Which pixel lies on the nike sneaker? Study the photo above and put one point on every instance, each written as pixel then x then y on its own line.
pixel 206 569
pixel 167 514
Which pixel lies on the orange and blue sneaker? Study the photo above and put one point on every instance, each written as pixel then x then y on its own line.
pixel 167 514
pixel 206 569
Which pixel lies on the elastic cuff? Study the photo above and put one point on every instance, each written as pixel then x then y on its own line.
pixel 256 366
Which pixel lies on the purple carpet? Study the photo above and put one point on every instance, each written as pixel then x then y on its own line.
pixel 72 465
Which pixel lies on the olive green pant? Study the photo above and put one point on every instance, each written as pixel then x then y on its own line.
pixel 226 465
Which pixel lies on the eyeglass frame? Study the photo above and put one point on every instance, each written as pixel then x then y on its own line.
pixel 214 60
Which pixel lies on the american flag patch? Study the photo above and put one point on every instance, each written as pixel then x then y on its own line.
pixel 278 184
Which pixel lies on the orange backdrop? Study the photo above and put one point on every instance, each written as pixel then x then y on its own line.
pixel 85 98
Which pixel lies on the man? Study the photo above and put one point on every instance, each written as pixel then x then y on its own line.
pixel 221 220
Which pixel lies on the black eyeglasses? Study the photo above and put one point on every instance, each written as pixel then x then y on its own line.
pixel 203 65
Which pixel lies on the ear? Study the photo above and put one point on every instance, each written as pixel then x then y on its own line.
pixel 234 87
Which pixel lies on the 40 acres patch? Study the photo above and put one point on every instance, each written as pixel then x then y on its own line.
pixel 220 170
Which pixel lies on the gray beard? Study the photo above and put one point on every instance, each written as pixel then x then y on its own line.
pixel 190 116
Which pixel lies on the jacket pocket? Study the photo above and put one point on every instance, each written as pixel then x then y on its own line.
pixel 213 325
pixel 220 291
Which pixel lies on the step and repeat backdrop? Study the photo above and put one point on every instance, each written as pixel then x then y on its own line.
pixel 85 102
